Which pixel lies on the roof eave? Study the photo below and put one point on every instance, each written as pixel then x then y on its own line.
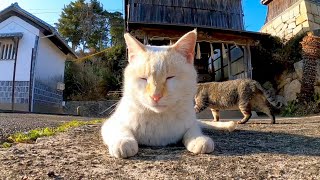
pixel 265 2
pixel 44 27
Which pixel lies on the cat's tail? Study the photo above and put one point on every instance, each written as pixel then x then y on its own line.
pixel 271 98
pixel 226 126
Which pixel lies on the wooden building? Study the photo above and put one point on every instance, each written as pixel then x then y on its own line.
pixel 223 46
pixel 287 18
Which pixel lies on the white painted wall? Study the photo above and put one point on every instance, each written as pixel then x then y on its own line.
pixel 12 25
pixel 50 61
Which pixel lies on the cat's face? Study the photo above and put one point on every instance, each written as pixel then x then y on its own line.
pixel 160 78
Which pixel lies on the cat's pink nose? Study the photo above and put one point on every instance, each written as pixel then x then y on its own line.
pixel 156 97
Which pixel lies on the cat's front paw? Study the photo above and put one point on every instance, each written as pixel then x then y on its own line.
pixel 124 148
pixel 201 145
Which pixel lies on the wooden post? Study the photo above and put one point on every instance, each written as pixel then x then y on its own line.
pixel 223 56
pixel 16 43
pixel 145 39
pixel 248 51
pixel 245 60
pixel 230 77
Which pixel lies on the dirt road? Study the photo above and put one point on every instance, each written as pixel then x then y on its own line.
pixel 289 149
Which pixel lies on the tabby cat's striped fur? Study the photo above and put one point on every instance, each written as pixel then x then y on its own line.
pixel 243 94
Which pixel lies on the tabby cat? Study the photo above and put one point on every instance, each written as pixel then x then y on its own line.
pixel 243 94
pixel 157 104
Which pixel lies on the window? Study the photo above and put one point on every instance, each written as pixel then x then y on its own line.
pixel 7 50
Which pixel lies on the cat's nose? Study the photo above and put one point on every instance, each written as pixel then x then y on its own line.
pixel 156 97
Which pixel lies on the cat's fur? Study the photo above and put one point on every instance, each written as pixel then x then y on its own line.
pixel 243 94
pixel 157 104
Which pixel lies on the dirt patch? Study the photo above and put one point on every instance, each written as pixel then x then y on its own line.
pixel 257 150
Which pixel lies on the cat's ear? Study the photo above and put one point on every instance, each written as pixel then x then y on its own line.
pixel 135 47
pixel 186 45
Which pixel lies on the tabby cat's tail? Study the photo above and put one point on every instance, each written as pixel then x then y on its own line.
pixel 227 126
pixel 271 99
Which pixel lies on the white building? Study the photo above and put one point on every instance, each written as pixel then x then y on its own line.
pixel 32 62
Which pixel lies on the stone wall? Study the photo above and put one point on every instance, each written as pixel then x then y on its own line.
pixel 302 16
pixel 90 108
pixel 21 95
pixel 47 99
pixel 289 83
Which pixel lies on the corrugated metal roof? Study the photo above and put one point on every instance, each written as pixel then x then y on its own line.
pixel 17 9
pixel 11 35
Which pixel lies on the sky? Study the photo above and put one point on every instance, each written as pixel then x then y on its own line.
pixel 49 10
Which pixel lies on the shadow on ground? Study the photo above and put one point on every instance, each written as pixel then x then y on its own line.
pixel 252 138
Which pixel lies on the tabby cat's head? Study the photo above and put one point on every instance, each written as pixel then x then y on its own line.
pixel 160 78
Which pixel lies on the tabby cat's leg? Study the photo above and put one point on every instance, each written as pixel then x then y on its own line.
pixel 215 114
pixel 266 109
pixel 196 142
pixel 246 111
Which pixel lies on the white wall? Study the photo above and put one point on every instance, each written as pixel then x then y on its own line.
pixel 12 25
pixel 50 61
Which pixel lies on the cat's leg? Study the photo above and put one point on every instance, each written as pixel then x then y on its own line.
pixel 196 142
pixel 120 141
pixel 215 114
pixel 266 109
pixel 246 111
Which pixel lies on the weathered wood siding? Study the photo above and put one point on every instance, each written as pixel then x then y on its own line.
pixel 276 7
pixel 226 14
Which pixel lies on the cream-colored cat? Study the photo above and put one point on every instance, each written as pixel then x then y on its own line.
pixel 157 104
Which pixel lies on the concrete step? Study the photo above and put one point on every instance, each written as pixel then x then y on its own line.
pixel 225 114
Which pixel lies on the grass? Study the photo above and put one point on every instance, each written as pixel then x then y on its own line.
pixel 32 135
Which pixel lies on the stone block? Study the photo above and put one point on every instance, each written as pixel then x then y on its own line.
pixel 317 19
pixel 314 9
pixel 298 68
pixel 291 14
pixel 285 26
pixel 302 18
pixel 296 11
pixel 285 17
pixel 306 24
pixel 292 25
pixel 291 20
pixel 291 90
pixel 303 7
pixel 276 22
pixel 297 30
pixel 310 17
pixel 279 27
pixel 314 26
pixel 289 36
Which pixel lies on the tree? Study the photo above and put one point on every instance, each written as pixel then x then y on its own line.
pixel 116 22
pixel 90 28
pixel 84 25
pixel 69 25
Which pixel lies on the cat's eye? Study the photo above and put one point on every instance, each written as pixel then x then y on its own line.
pixel 170 77
pixel 145 79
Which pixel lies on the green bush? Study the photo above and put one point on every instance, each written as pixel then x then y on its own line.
pixel 290 110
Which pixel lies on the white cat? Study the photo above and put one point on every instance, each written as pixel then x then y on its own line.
pixel 157 104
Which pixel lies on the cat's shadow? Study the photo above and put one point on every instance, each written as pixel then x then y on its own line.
pixel 240 143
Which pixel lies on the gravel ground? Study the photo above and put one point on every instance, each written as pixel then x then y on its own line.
pixel 289 149
pixel 14 122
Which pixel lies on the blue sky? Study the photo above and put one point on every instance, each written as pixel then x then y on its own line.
pixel 50 10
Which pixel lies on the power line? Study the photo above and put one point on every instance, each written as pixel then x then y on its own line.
pixel 91 55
